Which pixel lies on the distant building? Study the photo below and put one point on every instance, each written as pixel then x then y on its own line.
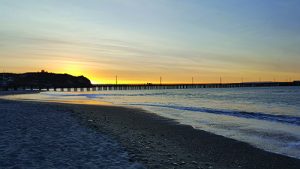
pixel 5 80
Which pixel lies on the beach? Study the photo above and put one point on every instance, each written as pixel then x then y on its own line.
pixel 42 136
pixel 152 141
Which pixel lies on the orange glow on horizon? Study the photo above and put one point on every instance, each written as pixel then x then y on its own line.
pixel 103 76
pixel 112 80
pixel 98 77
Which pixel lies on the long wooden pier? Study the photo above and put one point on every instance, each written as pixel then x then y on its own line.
pixel 149 86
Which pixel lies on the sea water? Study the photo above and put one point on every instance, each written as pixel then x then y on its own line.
pixel 267 118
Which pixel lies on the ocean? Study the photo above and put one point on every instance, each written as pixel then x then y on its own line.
pixel 265 117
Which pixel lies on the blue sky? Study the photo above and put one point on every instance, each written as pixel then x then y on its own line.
pixel 141 40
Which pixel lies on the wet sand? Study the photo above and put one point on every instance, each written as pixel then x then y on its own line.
pixel 41 136
pixel 158 142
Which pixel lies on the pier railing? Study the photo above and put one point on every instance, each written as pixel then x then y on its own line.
pixel 105 87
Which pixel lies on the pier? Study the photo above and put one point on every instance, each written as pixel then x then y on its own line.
pixel 148 86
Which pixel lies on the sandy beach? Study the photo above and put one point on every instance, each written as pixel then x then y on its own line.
pixel 157 142
pixel 42 136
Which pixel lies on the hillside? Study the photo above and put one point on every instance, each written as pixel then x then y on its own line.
pixel 42 79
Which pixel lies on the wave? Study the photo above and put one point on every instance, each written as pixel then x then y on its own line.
pixel 294 120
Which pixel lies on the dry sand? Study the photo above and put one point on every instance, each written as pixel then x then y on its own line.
pixel 37 136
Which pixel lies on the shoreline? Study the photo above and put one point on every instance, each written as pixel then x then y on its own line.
pixel 155 140
pixel 159 142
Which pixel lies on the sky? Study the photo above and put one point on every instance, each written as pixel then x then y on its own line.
pixel 141 40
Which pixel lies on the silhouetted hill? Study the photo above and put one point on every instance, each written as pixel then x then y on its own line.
pixel 43 79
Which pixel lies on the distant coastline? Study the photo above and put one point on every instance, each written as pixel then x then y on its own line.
pixel 53 81
pixel 42 79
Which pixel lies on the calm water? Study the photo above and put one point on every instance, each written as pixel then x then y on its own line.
pixel 268 118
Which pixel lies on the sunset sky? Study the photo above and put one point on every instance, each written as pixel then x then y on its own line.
pixel 141 40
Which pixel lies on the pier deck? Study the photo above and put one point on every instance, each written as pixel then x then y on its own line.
pixel 149 86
